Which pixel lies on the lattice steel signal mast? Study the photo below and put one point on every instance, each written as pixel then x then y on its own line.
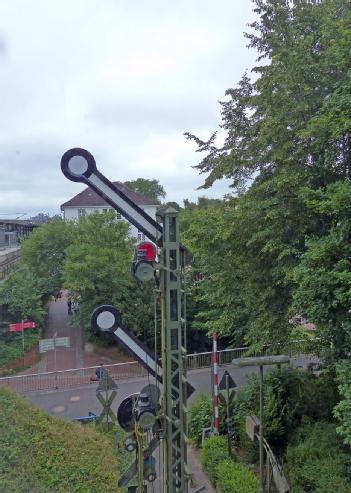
pixel 79 165
pixel 173 336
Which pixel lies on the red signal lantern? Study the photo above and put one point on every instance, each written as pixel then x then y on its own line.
pixel 146 251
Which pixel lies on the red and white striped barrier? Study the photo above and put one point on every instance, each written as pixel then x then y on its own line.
pixel 215 385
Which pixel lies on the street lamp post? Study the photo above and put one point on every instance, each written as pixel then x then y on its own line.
pixel 261 362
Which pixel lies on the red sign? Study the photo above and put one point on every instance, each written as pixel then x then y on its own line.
pixel 20 326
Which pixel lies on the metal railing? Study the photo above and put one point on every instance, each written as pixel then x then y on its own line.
pixel 204 360
pixel 64 379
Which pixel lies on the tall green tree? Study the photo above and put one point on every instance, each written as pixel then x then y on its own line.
pixel 286 128
pixel 43 252
pixel 151 189
pixel 323 276
pixel 22 293
pixel 97 270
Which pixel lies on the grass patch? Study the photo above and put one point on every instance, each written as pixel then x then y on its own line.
pixel 44 454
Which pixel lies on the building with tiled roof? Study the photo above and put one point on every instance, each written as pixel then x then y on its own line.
pixel 89 201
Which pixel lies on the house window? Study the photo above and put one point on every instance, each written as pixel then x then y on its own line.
pixel 104 210
pixel 141 236
pixel 81 212
pixel 118 216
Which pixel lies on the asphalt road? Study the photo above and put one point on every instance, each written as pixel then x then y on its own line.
pixel 79 401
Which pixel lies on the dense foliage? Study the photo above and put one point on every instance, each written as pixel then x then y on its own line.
pixel 343 409
pixel 316 461
pixel 39 453
pixel 91 258
pixel 224 473
pixel 298 424
pixel 233 477
pixel 214 451
pixel 44 254
pixel 280 247
pixel 199 417
pixel 290 396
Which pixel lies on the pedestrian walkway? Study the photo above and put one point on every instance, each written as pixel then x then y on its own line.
pixel 196 469
pixel 59 323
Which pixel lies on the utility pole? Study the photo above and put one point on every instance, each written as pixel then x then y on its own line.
pixel 79 165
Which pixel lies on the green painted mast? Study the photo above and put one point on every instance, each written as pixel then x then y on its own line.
pixel 175 477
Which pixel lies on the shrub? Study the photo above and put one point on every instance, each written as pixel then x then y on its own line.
pixel 214 451
pixel 343 410
pixel 199 417
pixel 290 395
pixel 235 478
pixel 317 461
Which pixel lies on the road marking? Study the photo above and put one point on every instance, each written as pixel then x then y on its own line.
pixel 58 409
pixel 75 398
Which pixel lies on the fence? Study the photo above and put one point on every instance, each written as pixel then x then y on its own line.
pixel 119 371
pixel 70 378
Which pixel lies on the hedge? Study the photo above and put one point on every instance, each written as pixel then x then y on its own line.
pixel 214 451
pixel 199 417
pixel 235 478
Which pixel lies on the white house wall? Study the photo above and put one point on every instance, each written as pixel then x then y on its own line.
pixel 71 213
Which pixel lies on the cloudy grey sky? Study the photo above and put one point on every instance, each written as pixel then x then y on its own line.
pixel 124 79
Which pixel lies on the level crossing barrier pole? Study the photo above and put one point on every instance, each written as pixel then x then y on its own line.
pixel 215 385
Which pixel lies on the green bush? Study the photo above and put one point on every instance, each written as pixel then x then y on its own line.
pixel 343 409
pixel 235 478
pixel 290 395
pixel 214 451
pixel 199 417
pixel 317 461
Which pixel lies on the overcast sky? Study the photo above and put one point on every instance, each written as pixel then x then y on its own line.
pixel 124 79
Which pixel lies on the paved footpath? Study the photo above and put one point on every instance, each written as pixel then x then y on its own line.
pixel 77 355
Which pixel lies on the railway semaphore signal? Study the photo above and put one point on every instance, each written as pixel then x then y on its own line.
pixel 79 165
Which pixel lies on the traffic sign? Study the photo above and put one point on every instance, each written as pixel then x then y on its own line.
pixel 21 325
pixel 223 384
pixel 51 344
pixel 106 383
pixel 79 165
